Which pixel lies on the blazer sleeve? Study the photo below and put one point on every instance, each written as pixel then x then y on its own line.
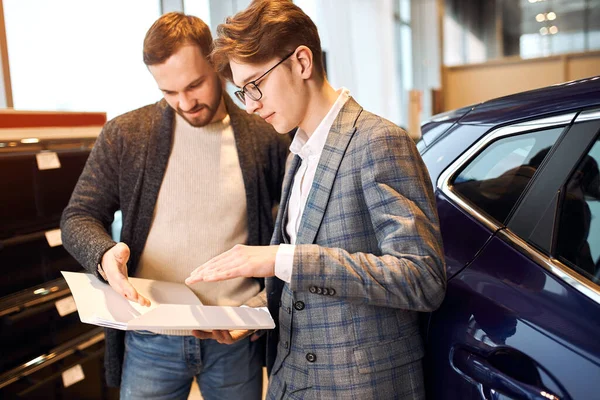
pixel 87 218
pixel 408 271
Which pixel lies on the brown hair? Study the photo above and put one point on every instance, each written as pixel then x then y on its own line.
pixel 172 31
pixel 267 29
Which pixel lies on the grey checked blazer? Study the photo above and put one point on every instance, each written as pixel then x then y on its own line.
pixel 368 258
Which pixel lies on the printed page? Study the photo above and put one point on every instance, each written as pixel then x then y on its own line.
pixel 99 304
pixel 174 306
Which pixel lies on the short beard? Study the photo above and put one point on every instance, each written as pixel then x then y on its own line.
pixel 209 114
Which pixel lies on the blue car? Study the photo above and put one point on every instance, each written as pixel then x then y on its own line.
pixel 517 186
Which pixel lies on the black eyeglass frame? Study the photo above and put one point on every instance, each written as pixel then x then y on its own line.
pixel 241 94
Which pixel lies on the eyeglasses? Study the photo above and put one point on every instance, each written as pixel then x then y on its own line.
pixel 251 89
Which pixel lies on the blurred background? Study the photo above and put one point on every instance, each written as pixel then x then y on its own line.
pixel 66 66
pixel 403 59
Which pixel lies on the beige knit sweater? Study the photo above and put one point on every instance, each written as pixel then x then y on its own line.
pixel 200 213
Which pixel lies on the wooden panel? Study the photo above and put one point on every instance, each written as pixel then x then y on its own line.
pixel 583 67
pixel 468 85
pixel 471 84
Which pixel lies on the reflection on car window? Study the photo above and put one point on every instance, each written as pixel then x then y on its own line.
pixel 578 242
pixel 496 178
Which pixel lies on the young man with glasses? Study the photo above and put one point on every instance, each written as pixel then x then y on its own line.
pixel 251 88
pixel 193 175
pixel 356 251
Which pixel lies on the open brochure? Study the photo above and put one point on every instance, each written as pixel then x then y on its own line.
pixel 174 307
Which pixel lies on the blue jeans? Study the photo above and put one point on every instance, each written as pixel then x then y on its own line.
pixel 162 367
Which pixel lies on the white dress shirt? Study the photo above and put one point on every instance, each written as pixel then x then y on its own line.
pixel 309 150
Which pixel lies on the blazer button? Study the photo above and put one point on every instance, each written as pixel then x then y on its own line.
pixel 319 290
pixel 286 345
pixel 325 291
pixel 312 289
pixel 331 291
pixel 310 357
pixel 289 310
pixel 299 305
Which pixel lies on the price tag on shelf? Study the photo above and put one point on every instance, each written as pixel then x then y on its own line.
pixel 47 160
pixel 53 237
pixel 66 306
pixel 73 375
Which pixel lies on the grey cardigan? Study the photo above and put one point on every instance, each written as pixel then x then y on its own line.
pixel 124 172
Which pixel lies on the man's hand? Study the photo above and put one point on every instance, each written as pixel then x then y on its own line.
pixel 114 264
pixel 227 337
pixel 240 261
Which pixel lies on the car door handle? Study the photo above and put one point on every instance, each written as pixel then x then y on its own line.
pixel 479 370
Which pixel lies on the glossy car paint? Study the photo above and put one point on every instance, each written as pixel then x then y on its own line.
pixel 509 327
pixel 546 101
pixel 459 249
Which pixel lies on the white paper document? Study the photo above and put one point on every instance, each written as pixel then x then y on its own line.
pixel 174 307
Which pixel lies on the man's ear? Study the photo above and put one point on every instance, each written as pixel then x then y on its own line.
pixel 304 56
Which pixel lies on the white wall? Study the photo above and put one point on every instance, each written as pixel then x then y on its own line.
pixel 73 55
pixel 426 50
pixel 358 38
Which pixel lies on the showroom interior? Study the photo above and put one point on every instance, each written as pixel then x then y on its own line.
pixel 69 66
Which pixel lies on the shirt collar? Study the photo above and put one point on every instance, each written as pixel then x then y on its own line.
pixel 304 146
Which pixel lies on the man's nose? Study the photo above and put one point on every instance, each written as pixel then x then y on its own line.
pixel 186 102
pixel 252 105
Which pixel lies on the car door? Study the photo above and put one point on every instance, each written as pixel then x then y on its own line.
pixel 460 249
pixel 522 320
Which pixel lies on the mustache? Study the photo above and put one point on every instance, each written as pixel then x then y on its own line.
pixel 198 107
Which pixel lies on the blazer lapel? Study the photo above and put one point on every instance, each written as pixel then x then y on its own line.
pixel 339 137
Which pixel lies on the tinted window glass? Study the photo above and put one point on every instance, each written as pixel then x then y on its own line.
pixel 578 242
pixel 496 178
pixel 439 155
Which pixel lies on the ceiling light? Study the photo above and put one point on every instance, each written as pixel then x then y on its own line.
pixel 553 30
pixel 540 17
pixel 543 30
pixel 551 16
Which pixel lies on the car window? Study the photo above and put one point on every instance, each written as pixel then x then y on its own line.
pixel 495 179
pixel 578 239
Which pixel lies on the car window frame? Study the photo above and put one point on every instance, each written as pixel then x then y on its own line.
pixel 444 182
pixel 537 204
pixel 575 123
pixel 539 237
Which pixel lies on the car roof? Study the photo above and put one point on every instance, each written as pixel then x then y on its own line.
pixel 556 99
